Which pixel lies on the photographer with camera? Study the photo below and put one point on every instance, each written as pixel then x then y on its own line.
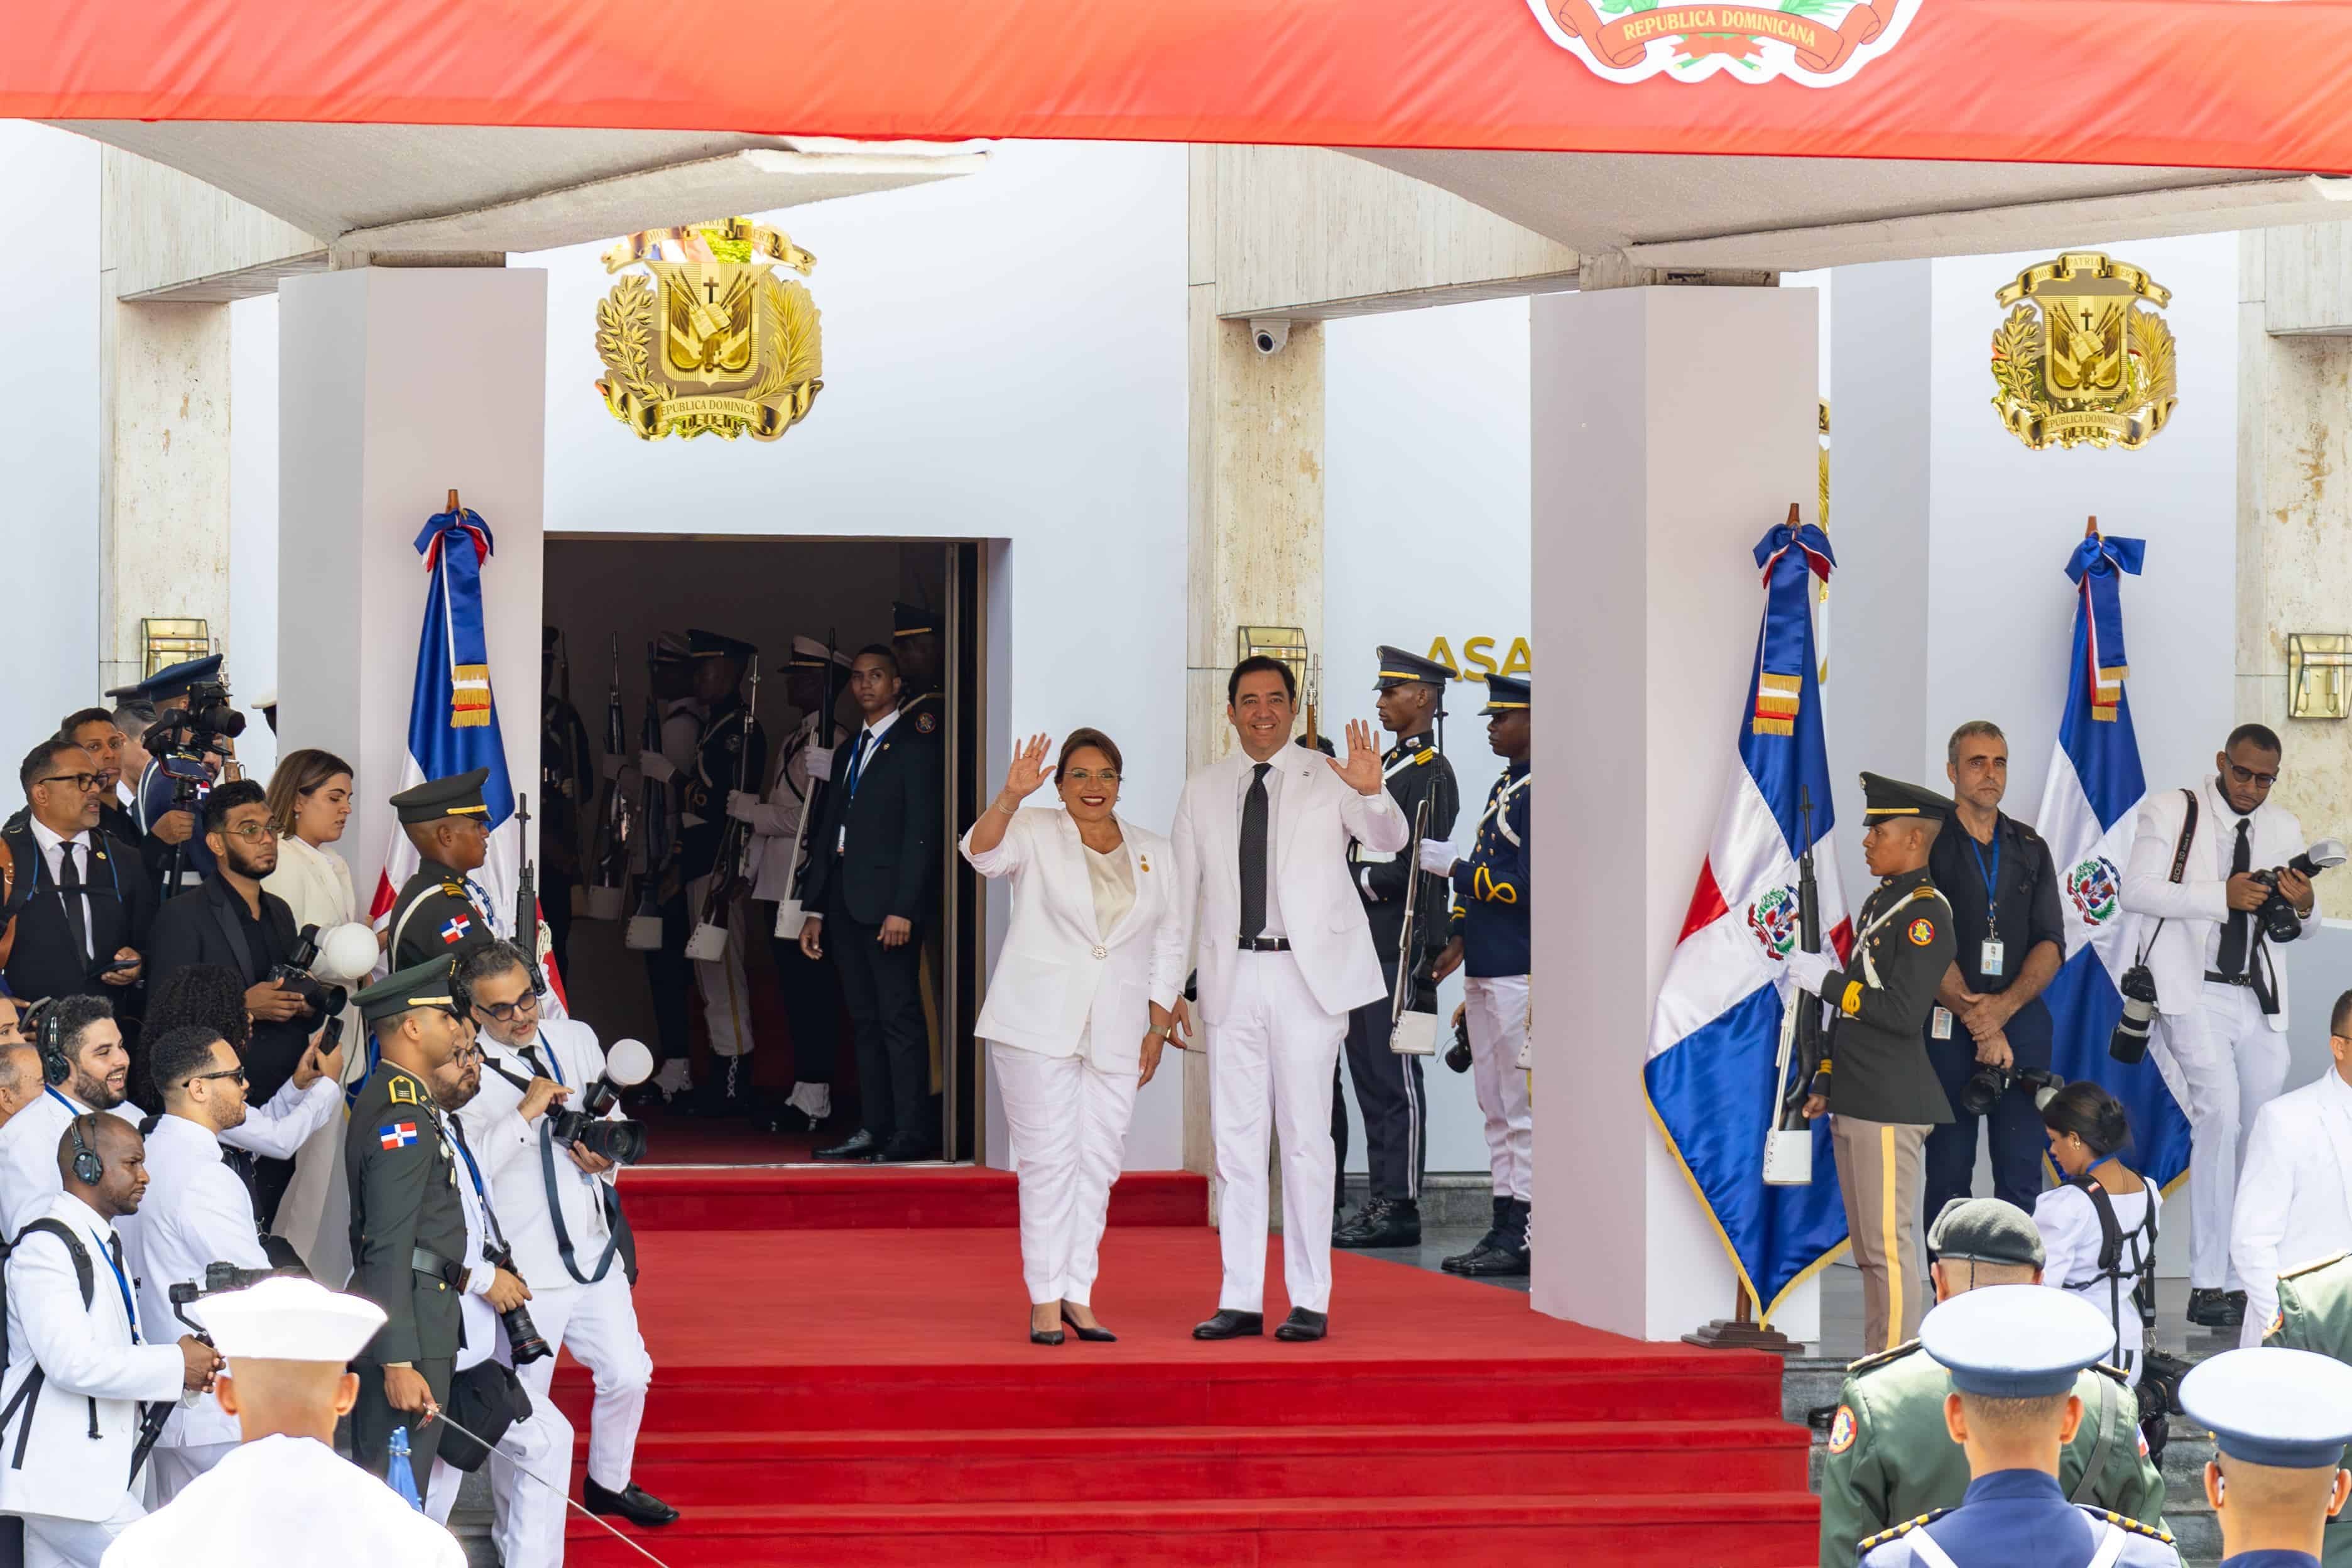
pixel 2210 868
pixel 2294 1196
pixel 197 1213
pixel 547 1129
pixel 232 920
pixel 1989 1034
pixel 79 905
pixel 190 747
pixel 2098 1224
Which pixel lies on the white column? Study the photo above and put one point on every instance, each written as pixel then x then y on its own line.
pixel 397 385
pixel 1672 425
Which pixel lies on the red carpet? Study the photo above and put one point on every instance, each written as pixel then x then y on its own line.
pixel 670 1200
pixel 871 1396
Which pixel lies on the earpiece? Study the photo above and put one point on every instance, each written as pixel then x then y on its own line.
pixel 48 1038
pixel 86 1166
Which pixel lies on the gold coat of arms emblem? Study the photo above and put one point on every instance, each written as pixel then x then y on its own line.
pixel 2085 357
pixel 710 340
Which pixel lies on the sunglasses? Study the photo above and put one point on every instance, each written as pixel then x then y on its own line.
pixel 505 1011
pixel 236 1073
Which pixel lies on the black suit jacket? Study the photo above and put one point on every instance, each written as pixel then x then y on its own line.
pixel 203 925
pixel 119 902
pixel 889 830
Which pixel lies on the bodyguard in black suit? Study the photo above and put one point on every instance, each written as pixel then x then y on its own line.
pixel 872 885
pixel 78 898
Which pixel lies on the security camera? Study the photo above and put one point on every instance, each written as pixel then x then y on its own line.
pixel 1269 333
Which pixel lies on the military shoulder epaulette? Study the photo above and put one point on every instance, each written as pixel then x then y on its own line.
pixel 2313 1267
pixel 455 889
pixel 1905 1527
pixel 1422 757
pixel 2126 1521
pixel 1871 1362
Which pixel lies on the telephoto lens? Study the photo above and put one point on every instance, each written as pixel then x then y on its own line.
pixel 2128 1044
pixel 1984 1088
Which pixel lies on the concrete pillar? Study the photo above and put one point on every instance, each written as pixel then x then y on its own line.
pixel 395 386
pixel 1672 427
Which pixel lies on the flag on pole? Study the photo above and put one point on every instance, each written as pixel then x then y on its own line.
pixel 2090 806
pixel 453 718
pixel 1717 1032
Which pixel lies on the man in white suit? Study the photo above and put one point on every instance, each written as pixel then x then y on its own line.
pixel 1284 951
pixel 2294 1196
pixel 2220 983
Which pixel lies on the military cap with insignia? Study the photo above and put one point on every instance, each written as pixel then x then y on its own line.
pixel 670 649
pixel 809 654
pixel 700 644
pixel 2291 1410
pixel 912 620
pixel 459 795
pixel 2016 1342
pixel 1985 1230
pixel 171 681
pixel 1507 694
pixel 1884 798
pixel 1398 667
pixel 428 984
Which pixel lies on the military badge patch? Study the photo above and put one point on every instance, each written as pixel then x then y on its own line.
pixel 1841 1430
pixel 1922 931
pixel 926 722
pixel 402 1091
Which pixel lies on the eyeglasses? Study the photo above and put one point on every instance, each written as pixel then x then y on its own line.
pixel 2248 777
pixel 236 1073
pixel 1080 776
pixel 505 1012
pixel 251 832
pixel 82 782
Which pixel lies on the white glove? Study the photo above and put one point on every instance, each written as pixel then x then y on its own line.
pixel 656 766
pixel 818 762
pixel 1809 969
pixel 739 803
pixel 1437 857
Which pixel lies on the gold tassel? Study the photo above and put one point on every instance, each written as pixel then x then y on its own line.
pixel 469 700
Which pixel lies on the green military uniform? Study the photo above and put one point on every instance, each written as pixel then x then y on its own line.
pixel 439 914
pixel 408 1229
pixel 2315 1313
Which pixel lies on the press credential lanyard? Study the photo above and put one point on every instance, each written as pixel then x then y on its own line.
pixel 130 1307
pixel 1993 951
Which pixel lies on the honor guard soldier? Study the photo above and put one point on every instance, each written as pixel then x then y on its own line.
pixel 2315 1313
pixel 408 1224
pixel 915 643
pixel 1490 943
pixel 732 751
pixel 1411 702
pixel 2013 1353
pixel 2280 1419
pixel 668 975
pixel 567 787
pixel 442 910
pixel 1882 1094
pixel 1890 1457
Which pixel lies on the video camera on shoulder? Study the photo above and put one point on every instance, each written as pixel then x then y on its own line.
pixel 2279 922
pixel 207 725
pixel 626 1065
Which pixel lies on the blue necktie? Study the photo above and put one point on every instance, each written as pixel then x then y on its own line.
pixel 857 759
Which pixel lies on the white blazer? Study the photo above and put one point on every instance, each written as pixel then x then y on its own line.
pixel 2193 907
pixel 1059 978
pixel 2295 1196
pixel 316 885
pixel 91 1373
pixel 1322 910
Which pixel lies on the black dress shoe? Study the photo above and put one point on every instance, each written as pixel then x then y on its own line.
pixel 632 1502
pixel 906 1146
pixel 1303 1325
pixel 2217 1309
pixel 1503 1262
pixel 1229 1324
pixel 1098 1335
pixel 1045 1336
pixel 861 1148
pixel 1383 1222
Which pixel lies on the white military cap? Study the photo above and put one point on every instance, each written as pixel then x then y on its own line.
pixel 287 1319
pixel 2016 1342
pixel 2271 1406
pixel 809 654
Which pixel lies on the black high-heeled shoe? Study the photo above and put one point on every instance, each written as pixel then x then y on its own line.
pixel 1096 1335
pixel 1045 1336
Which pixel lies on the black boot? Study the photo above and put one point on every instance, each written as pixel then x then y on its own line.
pixel 1460 1262
pixel 1508 1259
pixel 1383 1222
pixel 2217 1309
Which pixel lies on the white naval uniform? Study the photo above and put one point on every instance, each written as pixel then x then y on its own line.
pixel 596 1322
pixel 2294 1196
pixel 2071 1240
pixel 286 1502
pixel 2221 1058
pixel 195 1212
pixel 71 1488
pixel 1066 1013
pixel 1272 1023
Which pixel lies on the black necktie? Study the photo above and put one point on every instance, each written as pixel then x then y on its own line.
pixel 2235 935
pixel 1253 815
pixel 70 881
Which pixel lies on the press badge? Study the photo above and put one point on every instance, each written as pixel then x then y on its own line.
pixel 1991 954
pixel 1940 1023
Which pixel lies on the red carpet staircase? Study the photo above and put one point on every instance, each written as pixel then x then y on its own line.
pixel 868 1395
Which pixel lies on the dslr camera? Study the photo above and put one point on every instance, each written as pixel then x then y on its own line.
pixel 626 1065
pixel 523 1337
pixel 220 1278
pixel 2279 921
pixel 208 724
pixel 324 1001
pixel 2128 1044
pixel 1989 1083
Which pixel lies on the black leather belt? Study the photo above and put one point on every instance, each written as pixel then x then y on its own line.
pixel 432 1265
pixel 1266 944
pixel 2215 977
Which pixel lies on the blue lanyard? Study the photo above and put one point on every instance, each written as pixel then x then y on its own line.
pixel 858 761
pixel 554 1067
pixel 130 1307
pixel 1991 877
pixel 471 1169
pixel 71 1109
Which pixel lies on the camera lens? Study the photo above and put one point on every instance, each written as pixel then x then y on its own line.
pixel 523 1337
pixel 1984 1088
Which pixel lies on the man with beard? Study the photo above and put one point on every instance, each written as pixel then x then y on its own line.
pixel 85 1067
pixel 80 902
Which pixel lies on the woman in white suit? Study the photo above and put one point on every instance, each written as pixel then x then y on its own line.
pixel 1080 1007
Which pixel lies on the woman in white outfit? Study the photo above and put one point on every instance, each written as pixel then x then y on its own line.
pixel 1080 1007
pixel 309 801
pixel 2086 1126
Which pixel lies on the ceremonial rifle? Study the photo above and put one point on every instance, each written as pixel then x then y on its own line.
pixel 616 833
pixel 1788 1143
pixel 790 915
pixel 710 937
pixel 526 910
pixel 645 932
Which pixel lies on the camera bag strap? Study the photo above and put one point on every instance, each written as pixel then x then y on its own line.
pixel 611 1199
pixel 2179 862
pixel 28 1393
pixel 2086 1488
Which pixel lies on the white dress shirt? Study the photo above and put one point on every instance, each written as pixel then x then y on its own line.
pixel 53 855
pixel 1274 926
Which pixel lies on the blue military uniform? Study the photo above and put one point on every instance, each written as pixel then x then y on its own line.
pixel 2017 1341
pixel 2270 1408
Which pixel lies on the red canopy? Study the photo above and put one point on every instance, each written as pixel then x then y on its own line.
pixel 2216 83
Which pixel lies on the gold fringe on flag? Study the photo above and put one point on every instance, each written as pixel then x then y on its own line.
pixel 469 699
pixel 1776 703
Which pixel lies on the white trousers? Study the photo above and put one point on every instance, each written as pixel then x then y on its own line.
pixel 598 1324
pixel 1069 1121
pixel 54 1542
pixel 528 1517
pixel 726 999
pixel 174 1465
pixel 2223 1062
pixel 1496 1011
pixel 1270 1058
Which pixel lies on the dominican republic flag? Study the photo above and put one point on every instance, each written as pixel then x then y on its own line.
pixel 2090 806
pixel 399 1135
pixel 1717 1032
pixel 453 721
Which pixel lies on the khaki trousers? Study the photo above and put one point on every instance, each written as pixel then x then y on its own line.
pixel 1881 1165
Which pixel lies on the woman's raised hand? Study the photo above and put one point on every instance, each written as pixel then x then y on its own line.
pixel 1029 770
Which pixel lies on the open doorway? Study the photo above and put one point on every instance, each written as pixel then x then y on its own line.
pixel 605 591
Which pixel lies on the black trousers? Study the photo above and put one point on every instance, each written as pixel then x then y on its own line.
pixel 812 1005
pixel 670 977
pixel 2017 1140
pixel 883 987
pixel 373 1418
pixel 1387 1096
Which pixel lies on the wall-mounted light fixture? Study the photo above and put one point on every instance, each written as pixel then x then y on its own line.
pixel 164 643
pixel 2318 675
